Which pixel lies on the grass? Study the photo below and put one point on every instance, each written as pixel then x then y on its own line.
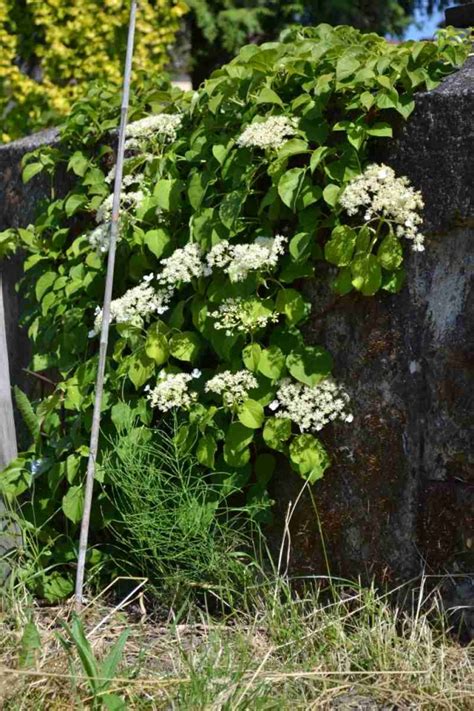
pixel 352 648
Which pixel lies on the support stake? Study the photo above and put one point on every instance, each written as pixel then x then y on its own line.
pixel 104 335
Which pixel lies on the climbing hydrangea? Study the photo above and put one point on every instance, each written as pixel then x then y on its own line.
pixel 233 387
pixel 183 265
pixel 312 407
pixel 242 315
pixel 271 133
pixel 238 260
pixel 172 390
pixel 136 306
pixel 163 125
pixel 381 194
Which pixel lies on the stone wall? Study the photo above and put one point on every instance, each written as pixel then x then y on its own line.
pixel 399 496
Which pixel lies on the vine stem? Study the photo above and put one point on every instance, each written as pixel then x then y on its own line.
pixel 104 335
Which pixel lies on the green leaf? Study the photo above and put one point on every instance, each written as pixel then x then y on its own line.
pixel 339 249
pixel 342 284
pixel 317 156
pixel 251 356
pixel 264 467
pixel 157 241
pixel 206 451
pixel 44 283
pixel 29 645
pixel 309 457
pixel 366 274
pixel 31 170
pixel 230 208
pixel 25 409
pixel 156 347
pixel 331 194
pixel 140 369
pixel 251 414
pixel 293 147
pixel 268 96
pixel 301 246
pixel 238 437
pixel 346 66
pixel 168 193
pixel 309 364
pixel 108 668
pixel 290 186
pixel 393 281
pixel 390 252
pixel 272 362
pixel 78 163
pixel 185 346
pixel 57 587
pixel 73 203
pixel 196 190
pixel 276 431
pixel 292 304
pixel 73 503
pixel 121 415
pixel 380 130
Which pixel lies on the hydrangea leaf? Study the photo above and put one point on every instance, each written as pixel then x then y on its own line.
pixel 271 362
pixel 276 431
pixel 251 414
pixel 339 249
pixel 185 346
pixel 309 364
pixel 157 241
pixel 156 347
pixel 290 186
pixel 390 252
pixel 73 503
pixel 309 457
pixel 206 450
pixel 291 303
pixel 251 356
pixel 366 274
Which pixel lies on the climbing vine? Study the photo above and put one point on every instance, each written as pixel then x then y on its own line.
pixel 232 197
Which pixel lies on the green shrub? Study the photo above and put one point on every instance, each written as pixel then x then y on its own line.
pixel 196 181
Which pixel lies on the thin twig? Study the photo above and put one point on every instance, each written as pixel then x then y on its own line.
pixel 104 336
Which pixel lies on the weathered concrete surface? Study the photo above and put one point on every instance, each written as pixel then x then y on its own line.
pixel 399 497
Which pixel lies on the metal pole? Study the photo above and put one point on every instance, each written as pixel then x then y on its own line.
pixel 104 336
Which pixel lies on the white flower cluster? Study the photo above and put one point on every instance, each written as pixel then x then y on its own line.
pixel 136 305
pixel 172 390
pixel 128 200
pixel 165 125
pixel 127 180
pixel 99 238
pixel 312 407
pixel 183 265
pixel 239 314
pixel 237 260
pixel 234 387
pixel 380 193
pixel 271 133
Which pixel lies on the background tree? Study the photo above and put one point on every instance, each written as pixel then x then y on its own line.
pixel 218 28
pixel 50 49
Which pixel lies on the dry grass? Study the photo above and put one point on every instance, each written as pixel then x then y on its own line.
pixel 353 650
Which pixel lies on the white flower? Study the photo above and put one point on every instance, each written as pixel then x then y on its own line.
pixel 99 238
pixel 127 200
pixel 271 133
pixel 380 194
pixel 183 265
pixel 237 260
pixel 196 373
pixel 233 387
pixel 163 125
pixel 136 305
pixel 312 407
pixel 244 315
pixel 171 391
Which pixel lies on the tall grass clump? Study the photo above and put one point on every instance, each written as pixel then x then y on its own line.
pixel 175 523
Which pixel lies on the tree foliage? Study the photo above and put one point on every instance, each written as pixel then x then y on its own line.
pixel 51 49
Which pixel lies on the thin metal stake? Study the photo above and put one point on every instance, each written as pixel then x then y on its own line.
pixel 104 335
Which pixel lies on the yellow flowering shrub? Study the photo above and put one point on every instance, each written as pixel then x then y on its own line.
pixel 50 49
